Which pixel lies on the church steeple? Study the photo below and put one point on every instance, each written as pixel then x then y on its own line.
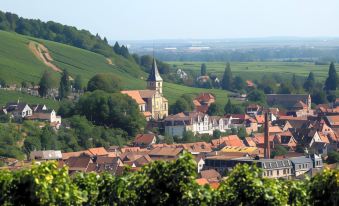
pixel 154 80
pixel 154 75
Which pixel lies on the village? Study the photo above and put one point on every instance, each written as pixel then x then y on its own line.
pixel 290 143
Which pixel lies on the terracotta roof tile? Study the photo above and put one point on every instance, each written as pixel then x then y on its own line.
pixel 99 151
pixel 145 139
pixel 134 94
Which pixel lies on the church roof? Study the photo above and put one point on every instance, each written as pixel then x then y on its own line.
pixel 154 75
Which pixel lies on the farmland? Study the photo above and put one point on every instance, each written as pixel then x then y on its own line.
pixel 255 70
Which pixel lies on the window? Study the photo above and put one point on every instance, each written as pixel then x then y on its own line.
pixel 278 172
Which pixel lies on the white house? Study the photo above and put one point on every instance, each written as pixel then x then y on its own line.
pixel 197 122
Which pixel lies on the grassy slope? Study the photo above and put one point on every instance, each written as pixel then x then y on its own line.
pixel 17 63
pixel 10 96
pixel 255 70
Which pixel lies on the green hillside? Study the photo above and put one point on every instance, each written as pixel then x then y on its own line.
pixel 18 63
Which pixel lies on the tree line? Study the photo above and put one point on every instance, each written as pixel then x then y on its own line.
pixel 59 33
pixel 163 183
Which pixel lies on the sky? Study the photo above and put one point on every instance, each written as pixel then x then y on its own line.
pixel 187 19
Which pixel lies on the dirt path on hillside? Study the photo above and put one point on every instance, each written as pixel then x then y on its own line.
pixel 42 53
pixel 109 61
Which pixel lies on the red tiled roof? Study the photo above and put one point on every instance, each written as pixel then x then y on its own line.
pixel 250 142
pixel 98 151
pixel 134 94
pixel 274 129
pixel 260 119
pixel 145 139
pixel 202 181
pixel 205 97
pixel 66 155
pixel 165 151
pixel 210 174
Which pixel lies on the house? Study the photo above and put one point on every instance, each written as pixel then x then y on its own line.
pixel 231 140
pixel 79 164
pixel 271 168
pixel 196 148
pixel 151 101
pixel 144 140
pixel 19 110
pixel 332 121
pixel 259 138
pixel 197 122
pixel 273 113
pixel 286 140
pixel 98 151
pixel 203 101
pixel 45 155
pixel 48 115
pixel 211 175
pixel 253 109
pixel 289 101
pixel 306 165
pixel 165 153
pixel 200 162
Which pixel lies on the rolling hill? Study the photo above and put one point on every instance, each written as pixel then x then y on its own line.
pixel 19 63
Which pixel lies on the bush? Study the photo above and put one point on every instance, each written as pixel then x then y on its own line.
pixel 162 183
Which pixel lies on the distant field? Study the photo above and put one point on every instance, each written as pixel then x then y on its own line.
pixel 255 70
pixel 11 96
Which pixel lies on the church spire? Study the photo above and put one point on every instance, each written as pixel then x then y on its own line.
pixel 154 74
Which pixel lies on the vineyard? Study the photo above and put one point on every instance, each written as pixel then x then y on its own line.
pixel 162 183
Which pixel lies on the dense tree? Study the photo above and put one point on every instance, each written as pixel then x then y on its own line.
pixel 216 134
pixel 180 105
pixel 332 79
pixel 242 133
pixel 239 83
pixel 203 69
pixel 285 88
pixel 113 110
pixel 228 109
pixel 226 82
pixel 78 83
pixel 295 83
pixel 278 151
pixel 65 85
pixel 188 137
pixel 146 62
pixel 46 83
pixel 318 96
pixel 309 82
pixel 55 32
pixel 333 157
pixel 257 96
pixel 104 81
pixel 331 96
pixel 117 48
pixel 214 110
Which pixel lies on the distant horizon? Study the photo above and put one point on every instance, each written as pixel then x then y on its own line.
pixel 152 20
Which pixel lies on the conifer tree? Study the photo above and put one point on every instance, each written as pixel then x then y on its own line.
pixel 117 48
pixel 331 81
pixel 203 69
pixel 65 85
pixel 226 82
pixel 46 83
pixel 309 83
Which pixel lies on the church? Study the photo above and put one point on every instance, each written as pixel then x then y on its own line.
pixel 151 101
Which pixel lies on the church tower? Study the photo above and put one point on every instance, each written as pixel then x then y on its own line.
pixel 154 81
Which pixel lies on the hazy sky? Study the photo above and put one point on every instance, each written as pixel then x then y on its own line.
pixel 179 19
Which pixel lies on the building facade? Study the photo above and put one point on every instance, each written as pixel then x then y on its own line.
pixel 151 101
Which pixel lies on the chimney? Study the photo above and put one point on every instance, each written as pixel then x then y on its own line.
pixel 267 151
